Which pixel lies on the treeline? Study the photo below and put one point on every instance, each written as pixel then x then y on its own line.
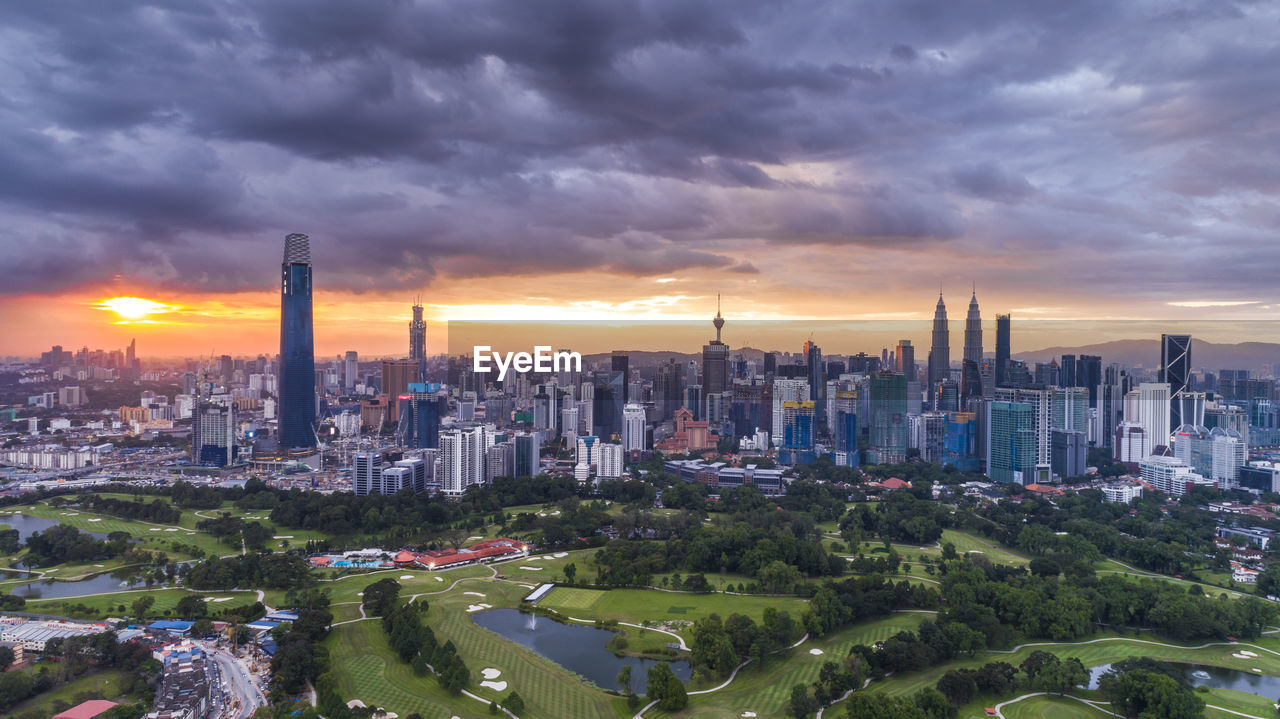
pixel 62 543
pixel 1007 605
pixel 157 510
pixel 257 571
pixel 899 517
pixel 776 548
pixel 719 646
pixel 300 656
pixel 74 657
pixel 230 529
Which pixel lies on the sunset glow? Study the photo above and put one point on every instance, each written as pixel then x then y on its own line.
pixel 135 309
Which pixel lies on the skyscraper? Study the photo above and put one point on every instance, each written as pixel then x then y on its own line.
pixel 297 347
pixel 940 348
pixel 350 370
pixel 973 332
pixel 633 428
pixel 1175 370
pixel 620 361
pixel 417 336
pixel 715 360
pixel 1011 454
pixel 888 418
pixel 816 375
pixel 1002 349
pixel 906 355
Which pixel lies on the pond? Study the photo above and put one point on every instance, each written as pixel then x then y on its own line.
pixel 580 649
pixel 27 526
pixel 97 584
pixel 1212 677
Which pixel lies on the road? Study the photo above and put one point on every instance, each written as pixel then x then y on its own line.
pixel 239 686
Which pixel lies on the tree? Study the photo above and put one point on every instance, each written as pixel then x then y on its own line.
pixel 801 704
pixel 513 703
pixel 1141 693
pixel 958 686
pixel 869 705
pixel 380 597
pixel 1059 676
pixel 778 577
pixel 6 658
pixel 141 605
pixel 624 679
pixel 570 571
pixel 665 688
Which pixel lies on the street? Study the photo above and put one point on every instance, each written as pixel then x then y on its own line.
pixel 236 686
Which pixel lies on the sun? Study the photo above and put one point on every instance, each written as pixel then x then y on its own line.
pixel 134 309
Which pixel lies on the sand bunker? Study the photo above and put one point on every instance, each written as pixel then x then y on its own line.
pixel 1248 653
pixel 490 673
pixel 283 536
pixel 439 579
pixel 95 520
pixel 155 529
pixel 475 594
pixel 747 715
pixel 473 537
pixel 171 529
pixel 558 555
pixel 406 576
pixel 478 607
pixel 496 686
pixel 533 569
pixel 354 703
pixel 815 652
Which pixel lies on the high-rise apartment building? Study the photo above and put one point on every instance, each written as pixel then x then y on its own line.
pixel 633 428
pixel 1011 446
pixel 888 418
pixel 213 434
pixel 350 370
pixel 297 348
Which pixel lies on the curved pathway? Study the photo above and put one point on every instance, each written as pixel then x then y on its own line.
pixel 678 638
pixel 1000 707
pixel 1135 641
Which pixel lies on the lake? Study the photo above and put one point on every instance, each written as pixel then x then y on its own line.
pixel 1212 677
pixel 97 584
pixel 580 649
pixel 27 526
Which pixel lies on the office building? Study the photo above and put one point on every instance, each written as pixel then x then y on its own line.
pixel 960 441
pixel 366 474
pixel 1216 454
pixel 928 433
pixel 397 375
pixel 526 455
pixel 887 425
pixel 1171 475
pixel 906 359
pixel 1002 349
pixel 1068 452
pixel 1148 405
pixel 1132 443
pixel 816 373
pixel 1088 374
pixel 973 332
pixel 420 413
pixel 620 363
pixel 350 371
pixel 1175 371
pixel 297 349
pixel 1259 477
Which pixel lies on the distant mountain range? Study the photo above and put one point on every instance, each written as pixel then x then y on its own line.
pixel 1146 353
pixel 1130 353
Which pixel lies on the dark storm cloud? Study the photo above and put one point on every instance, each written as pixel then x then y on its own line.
pixel 175 142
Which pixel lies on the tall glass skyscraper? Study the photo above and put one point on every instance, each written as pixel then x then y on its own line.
pixel 297 347
pixel 1175 369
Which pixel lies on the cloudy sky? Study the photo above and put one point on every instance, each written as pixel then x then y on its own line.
pixel 599 159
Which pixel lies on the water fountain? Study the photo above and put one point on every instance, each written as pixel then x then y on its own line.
pixel 532 623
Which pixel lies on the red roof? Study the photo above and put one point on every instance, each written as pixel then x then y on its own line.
pixel 895 483
pixel 87 710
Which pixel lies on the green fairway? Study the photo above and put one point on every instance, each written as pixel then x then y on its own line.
pixel 765 689
pixel 101 606
pixel 639 605
pixel 566 599
pixel 1047 708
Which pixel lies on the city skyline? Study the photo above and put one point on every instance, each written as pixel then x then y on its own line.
pixel 1071 162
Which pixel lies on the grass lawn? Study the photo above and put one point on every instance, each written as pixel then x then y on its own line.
pixel 1239 701
pixel 106 683
pixel 155 537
